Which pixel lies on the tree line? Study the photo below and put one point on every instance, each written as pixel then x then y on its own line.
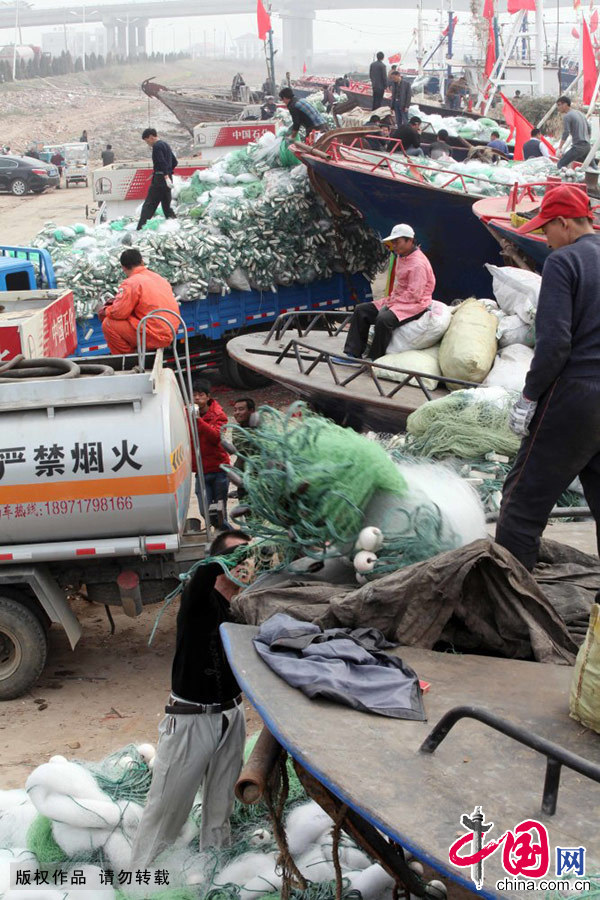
pixel 43 65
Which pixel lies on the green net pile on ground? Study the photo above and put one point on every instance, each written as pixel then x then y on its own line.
pixel 468 424
pixel 81 818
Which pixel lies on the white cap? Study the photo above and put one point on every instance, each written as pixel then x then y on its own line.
pixel 399 231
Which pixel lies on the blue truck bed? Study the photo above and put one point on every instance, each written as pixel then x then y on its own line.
pixel 216 317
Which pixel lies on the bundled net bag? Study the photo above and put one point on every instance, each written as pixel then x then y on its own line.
pixel 468 348
pixel 467 424
pixel 513 330
pixel 516 291
pixel 424 362
pixel 426 331
pixel 584 704
pixel 511 368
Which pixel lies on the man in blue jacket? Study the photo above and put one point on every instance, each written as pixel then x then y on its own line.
pixel 558 413
pixel 159 192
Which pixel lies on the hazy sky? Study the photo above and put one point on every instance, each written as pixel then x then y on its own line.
pixel 359 33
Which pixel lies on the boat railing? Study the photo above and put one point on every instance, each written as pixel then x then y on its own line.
pixel 305 322
pixel 356 152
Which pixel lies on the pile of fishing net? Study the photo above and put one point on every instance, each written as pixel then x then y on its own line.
pixel 69 834
pixel 489 180
pixel 317 491
pixel 462 126
pixel 253 230
pixel 468 424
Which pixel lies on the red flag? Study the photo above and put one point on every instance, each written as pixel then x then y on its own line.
pixel 263 20
pixel 304 69
pixel 590 73
pixel 490 56
pixel 514 6
pixel 395 58
pixel 594 21
pixel 575 33
pixel 520 127
pixel 488 9
pixel 447 29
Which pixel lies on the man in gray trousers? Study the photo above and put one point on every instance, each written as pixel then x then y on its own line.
pixel 201 738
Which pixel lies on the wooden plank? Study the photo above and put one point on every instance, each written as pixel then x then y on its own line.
pixel 374 765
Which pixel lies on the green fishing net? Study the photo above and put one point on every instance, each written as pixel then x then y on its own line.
pixel 467 424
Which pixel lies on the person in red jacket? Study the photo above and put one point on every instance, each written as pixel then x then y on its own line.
pixel 210 419
pixel 142 292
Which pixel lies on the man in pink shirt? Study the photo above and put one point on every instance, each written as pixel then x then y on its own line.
pixel 411 296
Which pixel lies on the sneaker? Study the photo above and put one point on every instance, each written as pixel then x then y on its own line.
pixel 348 360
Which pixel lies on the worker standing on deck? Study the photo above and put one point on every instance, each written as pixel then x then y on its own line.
pixel 303 114
pixel 142 292
pixel 401 97
pixel 410 298
pixel 164 162
pixel 379 80
pixel 577 127
pixel 558 412
pixel 202 736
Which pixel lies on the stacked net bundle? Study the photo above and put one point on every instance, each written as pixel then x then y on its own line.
pixel 67 841
pixel 246 223
pixel 468 424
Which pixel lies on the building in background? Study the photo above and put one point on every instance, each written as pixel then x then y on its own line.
pixel 248 47
pixel 71 40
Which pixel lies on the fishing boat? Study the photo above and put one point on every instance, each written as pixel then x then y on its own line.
pixel 402 785
pixel 502 217
pixel 453 239
pixel 192 108
pixel 302 352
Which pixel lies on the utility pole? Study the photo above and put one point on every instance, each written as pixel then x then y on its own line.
pixel 15 41
pixel 420 37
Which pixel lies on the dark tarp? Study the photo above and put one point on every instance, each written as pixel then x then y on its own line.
pixel 477 598
pixel 340 665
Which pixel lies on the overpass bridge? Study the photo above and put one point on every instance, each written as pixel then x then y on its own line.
pixel 126 23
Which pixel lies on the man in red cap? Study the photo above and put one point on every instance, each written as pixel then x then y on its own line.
pixel 558 412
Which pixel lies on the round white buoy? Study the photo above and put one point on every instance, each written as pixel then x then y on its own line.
pixel 416 867
pixel 146 751
pixel 364 561
pixel 370 538
pixel 437 890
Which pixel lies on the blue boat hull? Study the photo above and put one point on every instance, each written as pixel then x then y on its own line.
pixel 456 243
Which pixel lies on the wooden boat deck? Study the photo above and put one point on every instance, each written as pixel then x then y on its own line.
pixel 373 764
pixel 361 397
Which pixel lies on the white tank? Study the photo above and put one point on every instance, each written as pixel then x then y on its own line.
pixel 93 457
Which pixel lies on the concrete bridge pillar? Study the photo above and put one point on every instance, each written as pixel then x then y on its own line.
pixel 297 40
pixel 122 39
pixel 132 39
pixel 110 26
pixel 141 29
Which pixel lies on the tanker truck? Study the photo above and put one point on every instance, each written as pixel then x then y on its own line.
pixel 95 481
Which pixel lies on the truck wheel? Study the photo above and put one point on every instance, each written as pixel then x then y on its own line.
pixel 18 187
pixel 247 378
pixel 23 648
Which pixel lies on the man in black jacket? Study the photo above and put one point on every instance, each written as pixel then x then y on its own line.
pixel 378 76
pixel 558 412
pixel 401 97
pixel 203 733
pixel 159 192
pixel 410 135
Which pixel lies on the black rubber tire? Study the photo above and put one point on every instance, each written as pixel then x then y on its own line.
pixel 19 187
pixel 228 373
pixel 246 378
pixel 23 648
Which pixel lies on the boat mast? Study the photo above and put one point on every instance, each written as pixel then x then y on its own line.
pixel 539 46
pixel 420 37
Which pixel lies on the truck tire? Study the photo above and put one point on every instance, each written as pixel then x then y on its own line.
pixel 243 377
pixel 23 648
pixel 18 187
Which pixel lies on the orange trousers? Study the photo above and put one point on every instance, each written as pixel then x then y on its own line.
pixel 121 336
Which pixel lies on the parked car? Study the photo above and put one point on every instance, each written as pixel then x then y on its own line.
pixel 20 174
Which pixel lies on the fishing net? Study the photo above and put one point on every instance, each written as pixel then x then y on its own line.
pixel 71 800
pixel 468 424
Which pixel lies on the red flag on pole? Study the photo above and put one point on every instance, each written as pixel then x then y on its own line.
pixel 575 33
pixel 590 73
pixel 263 20
pixel 514 6
pixel 490 56
pixel 395 58
pixel 594 21
pixel 520 127
pixel 304 69
pixel 447 28
pixel 488 9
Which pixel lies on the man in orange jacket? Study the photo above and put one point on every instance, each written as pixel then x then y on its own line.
pixel 142 292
